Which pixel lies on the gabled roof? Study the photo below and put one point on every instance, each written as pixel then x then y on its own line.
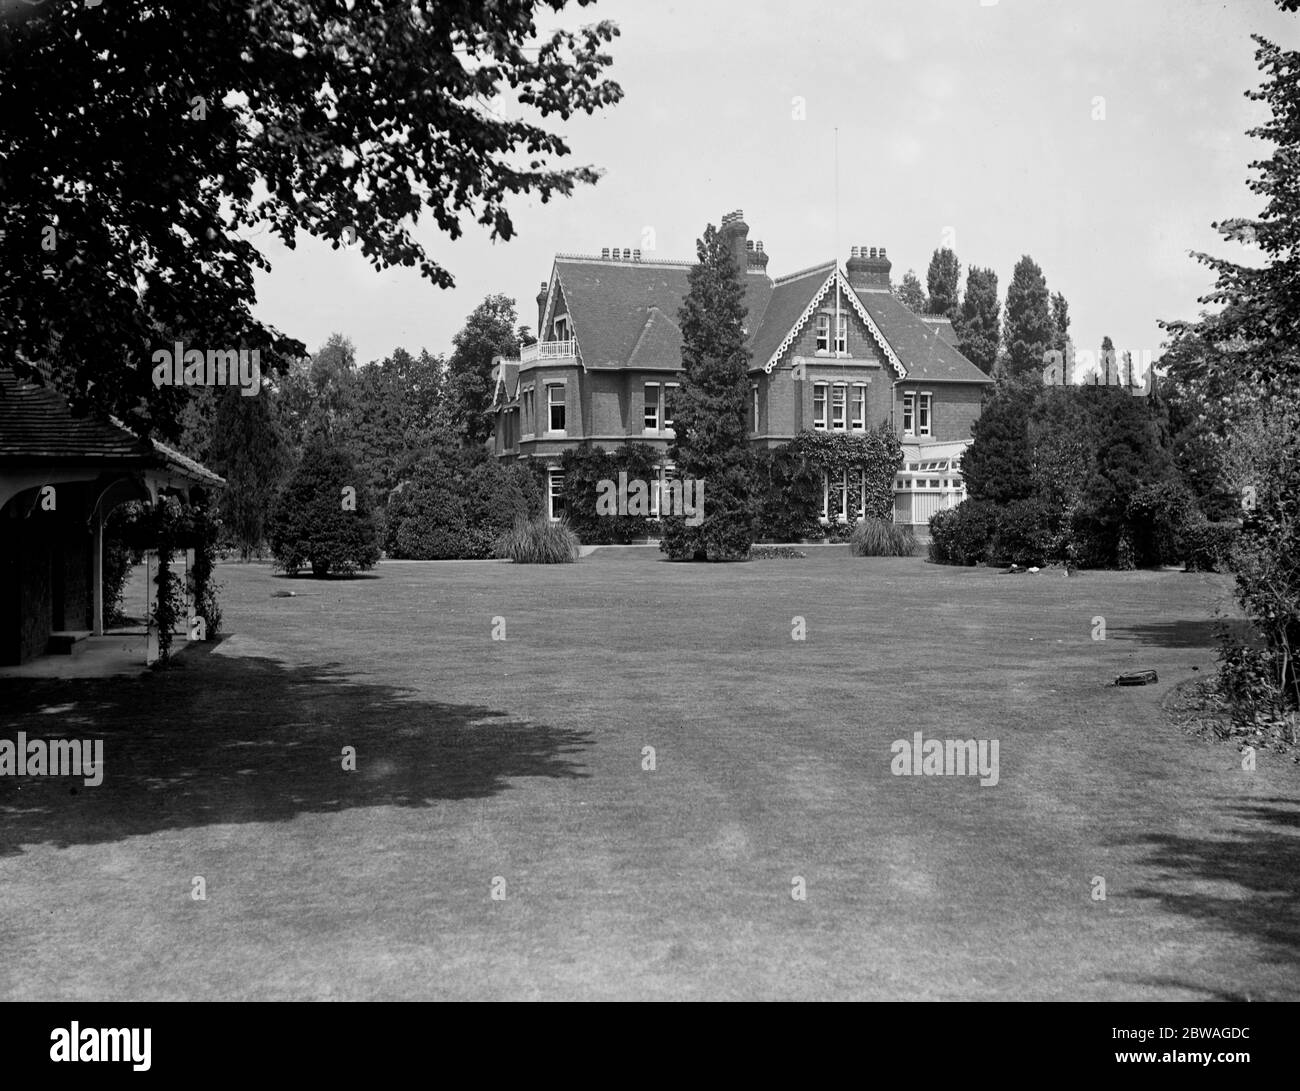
pixel 791 297
pixel 38 428
pixel 833 280
pixel 505 376
pixel 924 350
pixel 624 313
pixel 610 304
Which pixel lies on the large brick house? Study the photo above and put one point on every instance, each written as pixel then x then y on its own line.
pixel 831 349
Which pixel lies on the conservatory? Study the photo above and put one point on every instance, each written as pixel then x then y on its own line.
pixel 928 481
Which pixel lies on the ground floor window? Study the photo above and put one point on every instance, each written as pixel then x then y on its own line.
pixel 835 495
pixel 555 494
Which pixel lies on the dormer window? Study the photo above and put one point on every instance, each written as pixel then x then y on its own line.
pixel 561 327
pixel 823 333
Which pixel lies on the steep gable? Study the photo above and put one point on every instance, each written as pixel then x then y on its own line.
pixel 624 313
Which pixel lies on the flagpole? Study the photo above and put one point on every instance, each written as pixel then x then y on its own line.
pixel 837 244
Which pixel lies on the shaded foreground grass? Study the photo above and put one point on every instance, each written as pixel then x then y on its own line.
pixel 523 759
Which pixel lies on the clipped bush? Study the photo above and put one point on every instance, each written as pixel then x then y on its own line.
pixel 1022 534
pixel 879 538
pixel 962 535
pixel 538 541
pixel 312 526
pixel 455 505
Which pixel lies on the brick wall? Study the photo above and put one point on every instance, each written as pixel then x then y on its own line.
pixel 954 407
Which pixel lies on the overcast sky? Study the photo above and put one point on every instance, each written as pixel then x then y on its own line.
pixel 958 122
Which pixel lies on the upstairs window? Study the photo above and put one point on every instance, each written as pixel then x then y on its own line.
pixel 669 390
pixel 555 405
pixel 839 396
pixel 823 333
pixel 819 405
pixel 754 387
pixel 652 407
pixel 858 420
pixel 842 336
pixel 923 414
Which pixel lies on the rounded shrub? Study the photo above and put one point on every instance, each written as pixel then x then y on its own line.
pixel 312 526
pixel 962 535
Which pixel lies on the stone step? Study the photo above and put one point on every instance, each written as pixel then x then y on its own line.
pixel 65 641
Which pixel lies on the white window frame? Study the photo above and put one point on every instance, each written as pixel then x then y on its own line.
pixel 839 407
pixel 554 488
pixel 823 343
pixel 560 327
pixel 552 404
pixel 858 410
pixel 650 408
pixel 819 421
pixel 527 407
pixel 842 486
pixel 754 388
pixel 925 413
pixel 909 413
pixel 842 336
pixel 663 413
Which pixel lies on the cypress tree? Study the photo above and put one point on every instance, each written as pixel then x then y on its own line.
pixel 710 410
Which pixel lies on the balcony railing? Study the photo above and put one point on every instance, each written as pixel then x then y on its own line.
pixel 549 350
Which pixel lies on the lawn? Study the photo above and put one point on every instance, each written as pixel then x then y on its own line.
pixel 522 760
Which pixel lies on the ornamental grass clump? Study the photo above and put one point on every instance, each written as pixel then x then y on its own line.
pixel 539 542
pixel 879 538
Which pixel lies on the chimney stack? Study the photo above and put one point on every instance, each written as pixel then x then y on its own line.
pixel 736 232
pixel 867 268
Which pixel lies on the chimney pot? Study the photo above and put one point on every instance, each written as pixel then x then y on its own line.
pixel 636 255
pixel 853 252
pixel 760 247
pixel 749 244
pixel 627 254
pixel 882 252
pixel 604 251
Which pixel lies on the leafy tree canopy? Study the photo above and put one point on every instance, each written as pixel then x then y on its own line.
pixel 144 146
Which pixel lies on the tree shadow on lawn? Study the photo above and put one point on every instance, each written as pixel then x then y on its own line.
pixel 1180 634
pixel 220 739
pixel 1259 867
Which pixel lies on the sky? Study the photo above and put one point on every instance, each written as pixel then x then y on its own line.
pixel 1101 138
